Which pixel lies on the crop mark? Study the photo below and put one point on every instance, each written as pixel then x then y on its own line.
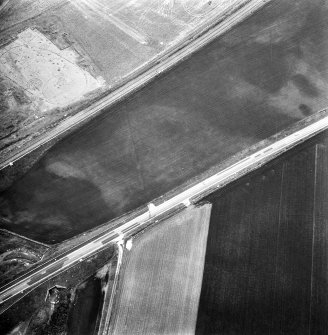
pixel 87 6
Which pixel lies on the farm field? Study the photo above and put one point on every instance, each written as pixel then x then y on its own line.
pixel 265 266
pixel 264 75
pixel 161 277
pixel 249 258
pixel 266 260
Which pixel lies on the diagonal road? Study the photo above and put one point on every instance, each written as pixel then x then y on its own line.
pixel 167 61
pixel 279 144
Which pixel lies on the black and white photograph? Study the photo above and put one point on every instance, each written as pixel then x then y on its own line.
pixel 163 167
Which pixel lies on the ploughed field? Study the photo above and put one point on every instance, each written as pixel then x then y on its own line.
pixel 162 276
pixel 262 76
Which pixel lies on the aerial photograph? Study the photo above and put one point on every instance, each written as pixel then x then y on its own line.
pixel 163 167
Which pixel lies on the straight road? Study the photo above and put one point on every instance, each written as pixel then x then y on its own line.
pixel 155 212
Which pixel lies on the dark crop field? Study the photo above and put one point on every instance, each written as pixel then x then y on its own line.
pixel 266 260
pixel 262 76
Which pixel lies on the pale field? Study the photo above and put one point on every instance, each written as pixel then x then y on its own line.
pixel 162 277
pixel 79 51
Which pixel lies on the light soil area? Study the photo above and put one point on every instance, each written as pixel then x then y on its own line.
pixel 161 282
